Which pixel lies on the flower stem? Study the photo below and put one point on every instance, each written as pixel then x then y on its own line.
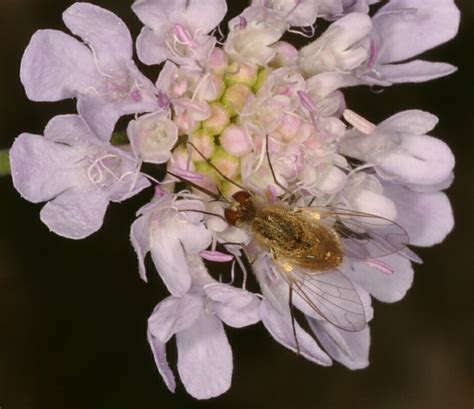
pixel 4 162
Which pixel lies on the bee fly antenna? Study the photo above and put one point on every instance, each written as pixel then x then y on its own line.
pixel 293 321
pixel 217 197
pixel 215 168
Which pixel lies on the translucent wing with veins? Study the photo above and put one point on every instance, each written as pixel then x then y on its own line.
pixel 330 294
pixel 363 235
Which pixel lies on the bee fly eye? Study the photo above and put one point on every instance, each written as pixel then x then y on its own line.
pixel 242 196
pixel 232 216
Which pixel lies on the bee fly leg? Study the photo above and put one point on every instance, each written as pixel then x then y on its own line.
pixel 292 316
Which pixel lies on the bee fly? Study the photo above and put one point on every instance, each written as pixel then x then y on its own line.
pixel 309 245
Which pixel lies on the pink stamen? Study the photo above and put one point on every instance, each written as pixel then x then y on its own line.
pixel 242 23
pixel 358 122
pixel 216 256
pixel 136 95
pixel 159 191
pixel 380 265
pixel 307 101
pixel 183 36
pixel 189 175
pixel 163 100
pixel 373 53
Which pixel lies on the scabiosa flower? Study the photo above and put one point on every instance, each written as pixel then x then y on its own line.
pixel 266 165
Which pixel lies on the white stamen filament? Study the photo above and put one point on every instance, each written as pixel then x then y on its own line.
pixel 96 170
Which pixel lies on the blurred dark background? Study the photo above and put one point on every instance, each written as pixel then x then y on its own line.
pixel 73 314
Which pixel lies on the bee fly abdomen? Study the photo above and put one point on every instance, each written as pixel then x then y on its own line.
pixel 279 229
pixel 295 238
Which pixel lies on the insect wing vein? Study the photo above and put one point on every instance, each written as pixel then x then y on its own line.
pixel 362 235
pixel 331 295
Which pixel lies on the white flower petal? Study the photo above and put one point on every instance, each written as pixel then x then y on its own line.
pixel 204 358
pixel 413 71
pixel 205 15
pixel 70 130
pixel 141 242
pixel 349 348
pixel 41 169
pixel 75 214
pixel 237 308
pixel 105 33
pixel 279 326
pixel 56 66
pixel 403 26
pixel 168 255
pixel 427 217
pixel 420 159
pixel 412 121
pixel 149 49
pixel 384 287
pixel 159 354
pixel 173 315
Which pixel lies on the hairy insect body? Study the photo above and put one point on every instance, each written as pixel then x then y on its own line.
pixel 293 237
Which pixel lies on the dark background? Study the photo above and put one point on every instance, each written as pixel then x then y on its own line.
pixel 73 314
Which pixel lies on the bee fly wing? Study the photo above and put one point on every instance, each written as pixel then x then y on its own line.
pixel 331 295
pixel 363 235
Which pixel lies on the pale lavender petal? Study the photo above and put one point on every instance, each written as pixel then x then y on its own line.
pixel 204 358
pixel 427 217
pixel 237 308
pixel 70 130
pixel 420 159
pixel 159 354
pixel 194 237
pixel 141 242
pixel 384 287
pixel 173 315
pixel 410 27
pixel 205 14
pixel 128 92
pixel 436 187
pixel 150 49
pixel 158 13
pixel 99 115
pixel 41 169
pixel 414 71
pixel 168 252
pixel 412 121
pixel 304 14
pixel 75 214
pixel 168 256
pixel 56 66
pixel 102 30
pixel 279 326
pixel 349 348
